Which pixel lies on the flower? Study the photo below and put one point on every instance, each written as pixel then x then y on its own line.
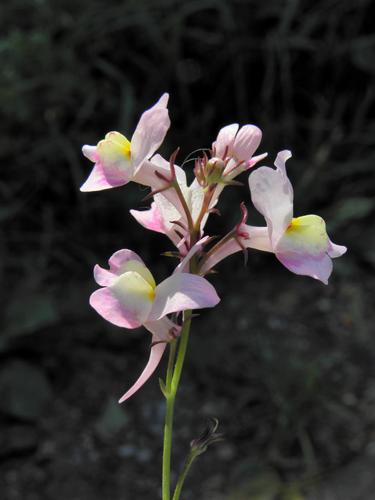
pixel 166 214
pixel 130 298
pixel 118 160
pixel 301 244
pixel 232 150
pixel 238 146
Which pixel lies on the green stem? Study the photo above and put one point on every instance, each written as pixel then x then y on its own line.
pixel 190 459
pixel 172 382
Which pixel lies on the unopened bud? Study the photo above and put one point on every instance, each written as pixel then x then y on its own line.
pixel 214 170
pixel 208 437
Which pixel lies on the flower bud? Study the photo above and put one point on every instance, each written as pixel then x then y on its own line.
pixel 214 170
pixel 208 437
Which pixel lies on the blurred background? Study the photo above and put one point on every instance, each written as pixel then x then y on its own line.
pixel 285 363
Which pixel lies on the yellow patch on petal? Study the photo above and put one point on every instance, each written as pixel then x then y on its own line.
pixel 134 293
pixel 115 144
pixel 138 267
pixel 306 233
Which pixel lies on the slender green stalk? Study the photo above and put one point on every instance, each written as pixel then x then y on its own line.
pixel 190 459
pixel 171 387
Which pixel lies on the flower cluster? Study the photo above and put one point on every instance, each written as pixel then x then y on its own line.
pixel 129 296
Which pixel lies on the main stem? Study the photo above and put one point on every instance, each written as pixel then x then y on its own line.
pixel 171 386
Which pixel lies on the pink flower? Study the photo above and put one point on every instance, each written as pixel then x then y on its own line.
pixel 130 298
pixel 238 145
pixel 301 244
pixel 118 160
pixel 166 214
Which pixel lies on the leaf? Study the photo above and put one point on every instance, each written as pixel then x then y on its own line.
pixel 163 387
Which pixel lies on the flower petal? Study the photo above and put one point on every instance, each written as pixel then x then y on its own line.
pixel 146 173
pixel 114 156
pixel 109 307
pixel 180 292
pixel 135 294
pixel 246 142
pixel 120 262
pixel 319 268
pixel 156 353
pixel 225 140
pixel 90 153
pixel 255 159
pixel 150 219
pixel 183 266
pixel 257 238
pixel 103 277
pixel 150 131
pixel 194 196
pixel 305 248
pixel 96 181
pixel 335 251
pixel 163 329
pixel 272 195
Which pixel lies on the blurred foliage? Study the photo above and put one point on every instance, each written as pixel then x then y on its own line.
pixel 305 73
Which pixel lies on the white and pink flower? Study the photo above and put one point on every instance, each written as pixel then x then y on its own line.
pixel 130 298
pixel 301 244
pixel 118 160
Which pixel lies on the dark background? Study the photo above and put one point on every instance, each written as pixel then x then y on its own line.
pixel 284 362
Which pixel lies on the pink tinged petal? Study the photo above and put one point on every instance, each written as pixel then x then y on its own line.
pixel 335 251
pixel 120 262
pixel 169 213
pixel 319 268
pixel 163 101
pixel 272 195
pixel 90 152
pixel 150 131
pixel 135 294
pixel 257 238
pixel 246 142
pixel 180 292
pixel 183 266
pixel 103 277
pixel 225 140
pixel 158 218
pixel 119 259
pixel 163 329
pixel 194 196
pixel 304 248
pixel 114 156
pixel 156 353
pixel 162 163
pixel 97 180
pixel 147 176
pixel 281 158
pixel 150 219
pixel 255 159
pixel 109 307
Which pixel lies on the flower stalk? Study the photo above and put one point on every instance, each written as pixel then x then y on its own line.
pixel 174 371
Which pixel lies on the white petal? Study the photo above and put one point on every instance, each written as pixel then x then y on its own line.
pixel 180 292
pixel 225 140
pixel 272 195
pixel 135 294
pixel 150 132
